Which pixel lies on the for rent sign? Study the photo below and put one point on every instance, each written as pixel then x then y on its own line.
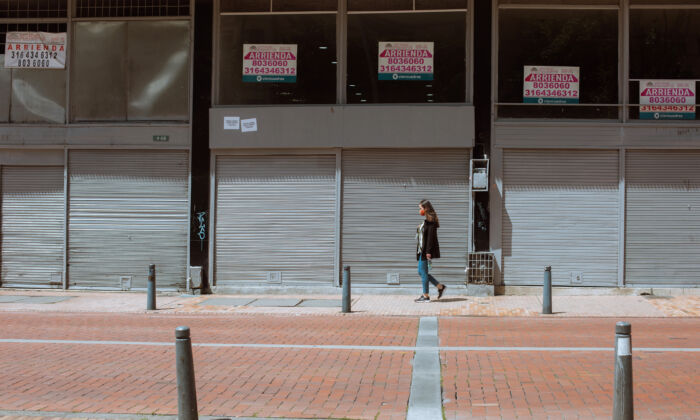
pixel 272 63
pixel 551 85
pixel 35 50
pixel 406 60
pixel 667 99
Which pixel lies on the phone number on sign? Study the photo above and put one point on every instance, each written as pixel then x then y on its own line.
pixel 269 70
pixel 550 93
pixel 667 108
pixel 33 55
pixel 405 69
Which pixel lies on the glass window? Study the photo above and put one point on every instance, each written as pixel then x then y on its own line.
pixel 31 95
pixel 587 39
pixel 140 68
pixel 33 8
pixel 664 44
pixel 314 37
pixel 447 32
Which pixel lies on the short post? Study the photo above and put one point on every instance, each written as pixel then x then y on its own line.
pixel 151 296
pixel 623 405
pixel 186 391
pixel 346 289
pixel 547 291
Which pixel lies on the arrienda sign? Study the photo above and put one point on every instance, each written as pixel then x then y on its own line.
pixel 667 99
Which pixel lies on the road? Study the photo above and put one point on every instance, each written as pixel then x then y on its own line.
pixel 65 364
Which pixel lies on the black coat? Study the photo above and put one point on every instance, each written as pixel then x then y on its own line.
pixel 430 241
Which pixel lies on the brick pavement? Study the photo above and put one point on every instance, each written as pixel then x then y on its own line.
pixel 569 332
pixel 336 383
pixel 244 382
pixel 569 385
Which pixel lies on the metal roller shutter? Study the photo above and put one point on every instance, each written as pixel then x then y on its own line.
pixel 381 191
pixel 33 217
pixel 275 214
pixel 128 209
pixel 663 218
pixel 561 208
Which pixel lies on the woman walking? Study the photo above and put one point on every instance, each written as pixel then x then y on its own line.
pixel 428 248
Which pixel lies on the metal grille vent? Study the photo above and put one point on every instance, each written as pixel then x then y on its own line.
pixel 28 27
pixel 131 8
pixel 480 268
pixel 19 9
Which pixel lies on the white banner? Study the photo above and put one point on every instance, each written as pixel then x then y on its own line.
pixel 35 50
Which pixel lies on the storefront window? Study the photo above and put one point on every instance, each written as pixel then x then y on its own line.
pixel 311 40
pixel 432 65
pixel 31 95
pixel 140 68
pixel 582 41
pixel 664 50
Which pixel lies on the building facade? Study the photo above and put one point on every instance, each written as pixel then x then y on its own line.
pixel 272 142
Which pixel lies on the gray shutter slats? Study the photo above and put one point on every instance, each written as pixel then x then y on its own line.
pixel 128 209
pixel 275 213
pixel 32 216
pixel 381 191
pixel 663 217
pixel 560 208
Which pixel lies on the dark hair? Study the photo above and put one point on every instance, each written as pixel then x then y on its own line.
pixel 430 213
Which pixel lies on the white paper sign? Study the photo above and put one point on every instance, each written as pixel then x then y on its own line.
pixel 405 60
pixel 550 85
pixel 667 99
pixel 271 63
pixel 248 125
pixel 232 123
pixel 35 50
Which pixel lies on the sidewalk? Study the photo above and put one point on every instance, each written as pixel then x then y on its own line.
pixel 374 305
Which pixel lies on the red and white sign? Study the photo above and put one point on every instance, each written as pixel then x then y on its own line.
pixel 406 60
pixel 667 99
pixel 271 63
pixel 551 85
pixel 35 50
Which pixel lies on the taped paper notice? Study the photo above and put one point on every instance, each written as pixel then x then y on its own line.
pixel 248 125
pixel 232 123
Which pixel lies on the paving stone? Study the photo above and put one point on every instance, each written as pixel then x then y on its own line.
pixel 321 303
pixel 226 302
pixel 10 299
pixel 284 303
pixel 46 299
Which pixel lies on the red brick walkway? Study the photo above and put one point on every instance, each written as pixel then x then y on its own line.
pixel 337 383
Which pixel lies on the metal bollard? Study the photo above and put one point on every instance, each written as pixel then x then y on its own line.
pixel 547 291
pixel 346 289
pixel 186 391
pixel 623 405
pixel 151 296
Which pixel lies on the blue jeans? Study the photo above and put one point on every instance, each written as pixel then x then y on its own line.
pixel 424 275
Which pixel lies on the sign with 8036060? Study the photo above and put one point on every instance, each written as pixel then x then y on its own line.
pixel 551 85
pixel 270 63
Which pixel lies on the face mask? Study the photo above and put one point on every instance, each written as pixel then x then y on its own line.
pixel 422 212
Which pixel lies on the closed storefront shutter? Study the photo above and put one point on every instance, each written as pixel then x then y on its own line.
pixel 128 209
pixel 561 208
pixel 275 220
pixel 32 226
pixel 381 192
pixel 663 218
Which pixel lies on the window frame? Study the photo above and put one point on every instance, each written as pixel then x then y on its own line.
pixel 623 7
pixel 342 14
